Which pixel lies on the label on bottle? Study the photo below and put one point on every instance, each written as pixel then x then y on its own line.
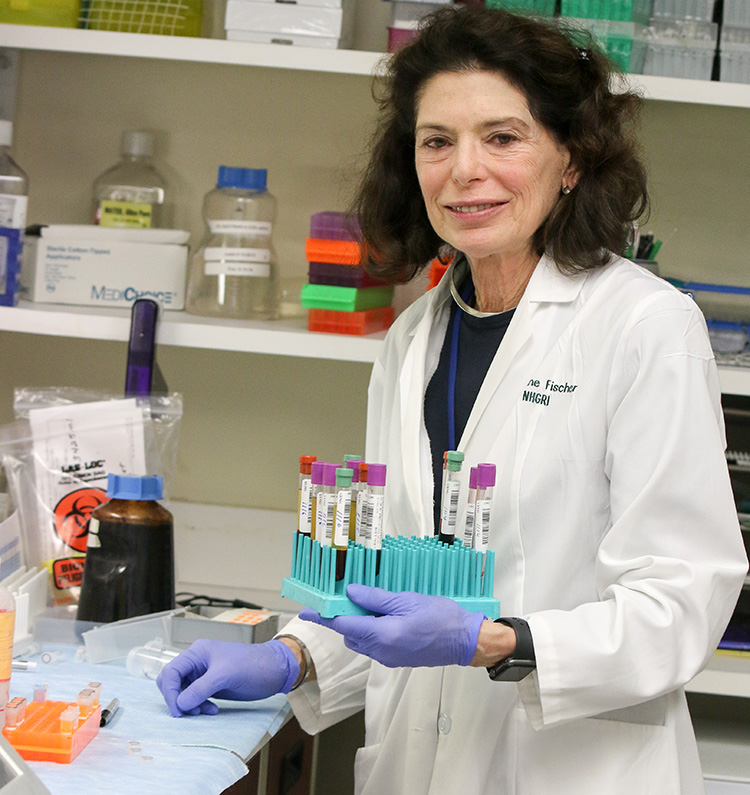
pixel 13 210
pixel 124 215
pixel 305 506
pixel 244 228
pixel 237 261
pixel 341 526
pixel 375 518
pixel 450 507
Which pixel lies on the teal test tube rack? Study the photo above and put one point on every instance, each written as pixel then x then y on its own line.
pixel 424 565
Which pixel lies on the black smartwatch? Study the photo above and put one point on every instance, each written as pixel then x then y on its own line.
pixel 523 660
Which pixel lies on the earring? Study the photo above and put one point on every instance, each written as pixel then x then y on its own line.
pixel 566 189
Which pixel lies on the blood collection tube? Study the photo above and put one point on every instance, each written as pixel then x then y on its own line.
pixel 375 505
pixel 353 465
pixel 360 527
pixel 326 503
pixel 470 506
pixel 304 500
pixel 316 483
pixel 485 486
pixel 342 513
pixel 449 500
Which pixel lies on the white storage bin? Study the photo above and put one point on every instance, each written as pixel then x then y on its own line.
pixel 680 48
pixel 735 55
pixel 290 20
pixel 697 10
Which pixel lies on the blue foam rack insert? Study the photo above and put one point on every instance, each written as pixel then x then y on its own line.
pixel 424 565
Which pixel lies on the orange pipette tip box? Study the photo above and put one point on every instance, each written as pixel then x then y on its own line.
pixel 38 736
pixel 361 323
pixel 333 252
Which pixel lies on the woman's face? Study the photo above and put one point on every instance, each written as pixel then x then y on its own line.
pixel 490 173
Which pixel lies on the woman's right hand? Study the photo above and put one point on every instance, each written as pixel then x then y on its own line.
pixel 237 671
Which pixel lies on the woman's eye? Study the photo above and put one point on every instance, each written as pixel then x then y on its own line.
pixel 503 138
pixel 434 143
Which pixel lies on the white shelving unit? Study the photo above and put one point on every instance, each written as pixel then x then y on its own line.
pixel 725 676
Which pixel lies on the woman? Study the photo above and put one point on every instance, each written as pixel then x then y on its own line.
pixel 589 383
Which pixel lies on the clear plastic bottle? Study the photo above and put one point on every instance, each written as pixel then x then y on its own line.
pixel 14 191
pixel 233 272
pixel 130 194
pixel 7 627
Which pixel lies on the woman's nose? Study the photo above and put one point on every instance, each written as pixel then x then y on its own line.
pixel 468 165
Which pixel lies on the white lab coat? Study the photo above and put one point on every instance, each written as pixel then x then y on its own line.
pixel 615 534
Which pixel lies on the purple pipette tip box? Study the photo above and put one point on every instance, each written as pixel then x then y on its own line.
pixel 334 226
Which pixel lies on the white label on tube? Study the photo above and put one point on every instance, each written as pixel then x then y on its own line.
pixel 469 529
pixel 305 505
pixel 244 228
pixel 341 528
pixel 360 516
pixel 450 507
pixel 375 516
pixel 482 534
pixel 324 525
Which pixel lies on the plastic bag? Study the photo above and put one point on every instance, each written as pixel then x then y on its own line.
pixel 57 456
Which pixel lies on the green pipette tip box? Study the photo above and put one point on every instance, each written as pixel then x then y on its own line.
pixel 423 565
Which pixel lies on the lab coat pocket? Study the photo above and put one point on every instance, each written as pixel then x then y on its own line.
pixel 364 762
pixel 608 756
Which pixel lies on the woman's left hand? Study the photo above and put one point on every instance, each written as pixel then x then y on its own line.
pixel 410 630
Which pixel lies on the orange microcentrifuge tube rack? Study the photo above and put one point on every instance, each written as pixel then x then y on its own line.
pixel 53 731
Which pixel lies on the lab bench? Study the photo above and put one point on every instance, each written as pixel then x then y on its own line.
pixel 249 748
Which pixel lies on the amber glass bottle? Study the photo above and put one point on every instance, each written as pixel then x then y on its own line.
pixel 129 569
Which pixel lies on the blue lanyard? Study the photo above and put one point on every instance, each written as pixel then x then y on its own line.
pixel 468 295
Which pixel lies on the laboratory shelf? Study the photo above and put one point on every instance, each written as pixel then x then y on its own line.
pixel 288 337
pixel 182 48
pixel 735 380
pixel 724 676
pixel 350 62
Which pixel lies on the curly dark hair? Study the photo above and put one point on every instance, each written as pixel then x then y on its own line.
pixel 568 84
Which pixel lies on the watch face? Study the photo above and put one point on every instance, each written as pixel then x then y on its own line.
pixel 511 670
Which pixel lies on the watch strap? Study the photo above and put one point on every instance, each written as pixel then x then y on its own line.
pixel 524 641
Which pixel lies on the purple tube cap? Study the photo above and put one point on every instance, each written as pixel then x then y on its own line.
pixel 316 472
pixel 329 474
pixel 473 477
pixel 334 226
pixel 376 475
pixel 485 476
pixel 353 464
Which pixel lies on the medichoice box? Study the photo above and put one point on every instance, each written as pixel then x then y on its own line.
pixel 98 266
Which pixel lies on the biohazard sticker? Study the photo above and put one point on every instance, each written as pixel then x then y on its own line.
pixel 72 515
pixel 67 572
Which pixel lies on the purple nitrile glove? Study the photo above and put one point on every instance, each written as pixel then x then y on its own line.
pixel 224 669
pixel 411 630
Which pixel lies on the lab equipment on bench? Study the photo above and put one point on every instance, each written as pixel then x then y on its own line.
pixel 7 626
pixel 16 777
pixel 129 567
pixel 14 190
pixel 233 273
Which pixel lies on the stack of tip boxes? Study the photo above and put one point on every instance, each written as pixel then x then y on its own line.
pixel 53 731
pixel 302 23
pixel 735 42
pixel 617 25
pixel 342 298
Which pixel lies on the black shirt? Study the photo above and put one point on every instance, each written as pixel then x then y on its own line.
pixel 478 341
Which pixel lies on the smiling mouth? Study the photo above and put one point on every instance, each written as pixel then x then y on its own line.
pixel 472 208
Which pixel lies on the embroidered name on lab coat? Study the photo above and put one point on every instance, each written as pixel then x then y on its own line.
pixel 550 388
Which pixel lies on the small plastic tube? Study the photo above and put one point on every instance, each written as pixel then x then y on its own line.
pixel 97 688
pixel 134 747
pixel 15 710
pixel 69 720
pixel 48 657
pixel 40 694
pixel 87 698
pixel 147 661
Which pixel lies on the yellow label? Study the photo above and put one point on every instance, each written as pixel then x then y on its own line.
pixel 7 624
pixel 125 215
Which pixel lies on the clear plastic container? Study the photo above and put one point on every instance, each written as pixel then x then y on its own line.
pixel 130 194
pixel 14 190
pixel 233 273
pixel 147 661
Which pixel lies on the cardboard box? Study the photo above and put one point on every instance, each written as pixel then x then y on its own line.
pixel 98 266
